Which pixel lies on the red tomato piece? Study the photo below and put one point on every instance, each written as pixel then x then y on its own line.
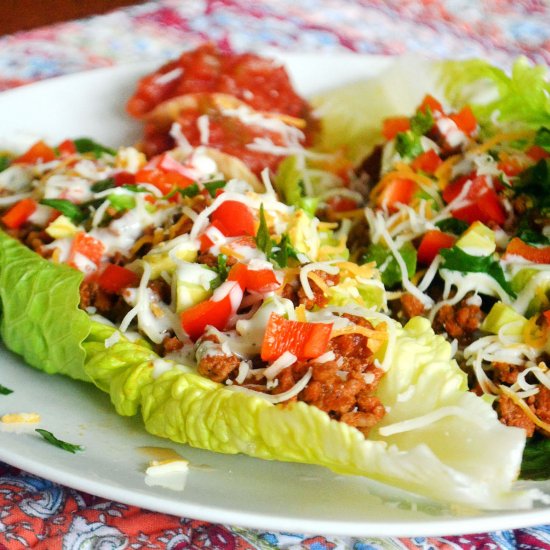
pixel 165 182
pixel 428 162
pixel 304 340
pixel 397 191
pixel 536 152
pixel 206 241
pixel 517 247
pixel 393 125
pixel 254 280
pixel 430 245
pixel 114 278
pixel 39 152
pixel 465 120
pixel 19 213
pixel 236 218
pixel 430 102
pixel 87 246
pixel 67 148
pixel 341 204
pixel 124 178
pixel 216 313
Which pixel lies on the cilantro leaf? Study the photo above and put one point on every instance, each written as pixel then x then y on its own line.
pixel 422 122
pixel 283 251
pixel 542 138
pixel 50 438
pixel 189 191
pixel 87 145
pixel 263 239
pixel 5 161
pixel 213 186
pixel 103 185
pixel 222 270
pixel 408 145
pixel 73 211
pixel 4 390
pixel 536 459
pixel 452 225
pixel 456 259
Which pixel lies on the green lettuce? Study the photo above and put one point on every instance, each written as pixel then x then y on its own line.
pixel 465 456
pixel 40 318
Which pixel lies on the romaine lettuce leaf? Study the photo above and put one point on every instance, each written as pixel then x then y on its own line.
pixel 466 456
pixel 40 317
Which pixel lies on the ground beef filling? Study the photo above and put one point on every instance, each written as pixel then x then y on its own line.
pixel 343 387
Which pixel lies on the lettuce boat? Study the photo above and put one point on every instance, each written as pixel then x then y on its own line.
pixel 437 439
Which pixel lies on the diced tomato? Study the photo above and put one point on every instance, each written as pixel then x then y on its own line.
pixel 483 202
pixel 341 204
pixel 430 102
pixel 393 125
pixel 511 166
pixel 206 241
pixel 428 161
pixel 304 340
pixel 124 178
pixel 87 246
pixel 430 245
pixel 517 247
pixel 216 313
pixel 546 315
pixel 67 148
pixel 165 182
pixel 465 120
pixel 254 280
pixel 115 277
pixel 19 213
pixel 39 152
pixel 235 217
pixel 536 152
pixel 397 191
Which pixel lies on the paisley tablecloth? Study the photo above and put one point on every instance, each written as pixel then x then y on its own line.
pixel 36 513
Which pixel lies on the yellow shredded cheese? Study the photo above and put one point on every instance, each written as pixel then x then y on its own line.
pixel 301 313
pixel 498 138
pixel 20 418
pixel 227 250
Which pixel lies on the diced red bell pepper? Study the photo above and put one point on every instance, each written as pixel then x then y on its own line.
pixel 254 280
pixel 430 245
pixel 216 313
pixel 398 190
pixel 114 278
pixel 465 120
pixel 235 217
pixel 511 166
pixel 304 340
pixel 546 315
pixel 88 246
pixel 67 148
pixel 394 125
pixel 428 161
pixel 517 247
pixel 39 152
pixel 19 213
pixel 430 102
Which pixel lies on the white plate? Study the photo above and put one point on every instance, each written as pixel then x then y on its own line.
pixel 236 490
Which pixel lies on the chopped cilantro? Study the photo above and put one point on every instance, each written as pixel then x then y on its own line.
pixel 189 191
pixel 222 270
pixel 103 185
pixel 4 390
pixel 390 270
pixel 213 186
pixel 5 161
pixel 542 138
pixel 408 145
pixel 263 239
pixel 283 251
pixel 50 438
pixel 87 145
pixel 452 225
pixel 536 459
pixel 422 122
pixel 456 259
pixel 73 211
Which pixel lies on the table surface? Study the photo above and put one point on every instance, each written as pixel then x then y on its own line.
pixel 498 30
